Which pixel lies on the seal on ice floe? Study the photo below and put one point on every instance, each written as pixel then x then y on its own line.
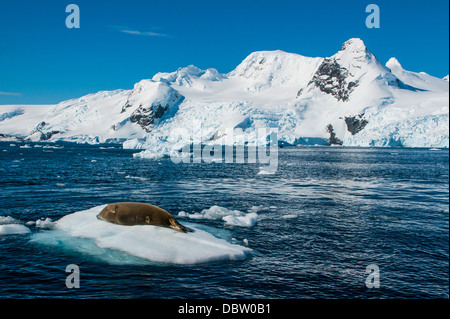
pixel 130 214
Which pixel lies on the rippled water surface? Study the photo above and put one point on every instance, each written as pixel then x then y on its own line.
pixel 323 217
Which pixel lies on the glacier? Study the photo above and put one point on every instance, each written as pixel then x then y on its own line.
pixel 348 99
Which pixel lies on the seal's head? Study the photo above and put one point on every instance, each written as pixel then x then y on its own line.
pixel 108 213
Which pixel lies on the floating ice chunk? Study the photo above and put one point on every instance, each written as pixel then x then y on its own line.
pixel 230 217
pixel 45 223
pixel 54 147
pixel 182 214
pixel 246 220
pixel 10 225
pixel 8 220
pixel 218 212
pixel 153 243
pixel 11 229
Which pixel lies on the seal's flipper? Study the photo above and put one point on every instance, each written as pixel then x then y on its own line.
pixel 177 226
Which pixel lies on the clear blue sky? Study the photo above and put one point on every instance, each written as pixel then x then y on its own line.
pixel 121 42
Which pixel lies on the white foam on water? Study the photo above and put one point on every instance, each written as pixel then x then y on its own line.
pixel 142 179
pixel 289 216
pixel 152 243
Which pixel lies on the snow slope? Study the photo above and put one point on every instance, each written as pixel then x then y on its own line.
pixel 350 98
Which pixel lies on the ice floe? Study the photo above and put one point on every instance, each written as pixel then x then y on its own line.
pixel 83 232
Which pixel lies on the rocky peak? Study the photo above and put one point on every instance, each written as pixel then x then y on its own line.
pixel 149 101
pixel 332 78
pixel 340 74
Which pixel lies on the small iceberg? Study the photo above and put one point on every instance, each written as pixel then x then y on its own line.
pixel 55 147
pixel 11 226
pixel 230 217
pixel 147 242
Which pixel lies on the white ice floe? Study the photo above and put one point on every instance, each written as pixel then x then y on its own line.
pixel 46 223
pixel 11 226
pixel 152 243
pixel 230 217
pixel 12 229
pixel 246 220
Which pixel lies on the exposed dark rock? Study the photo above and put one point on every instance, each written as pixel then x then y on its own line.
pixel 116 126
pixel 124 108
pixel 331 78
pixel 48 135
pixel 39 127
pixel 356 123
pixel 44 136
pixel 145 116
pixel 8 115
pixel 9 138
pixel 333 139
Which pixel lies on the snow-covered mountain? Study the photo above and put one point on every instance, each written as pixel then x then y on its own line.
pixel 350 99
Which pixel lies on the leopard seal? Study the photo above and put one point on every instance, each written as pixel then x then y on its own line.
pixel 130 213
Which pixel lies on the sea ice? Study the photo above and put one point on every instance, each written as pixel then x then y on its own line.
pixel 230 217
pixel 10 226
pixel 153 243
pixel 11 229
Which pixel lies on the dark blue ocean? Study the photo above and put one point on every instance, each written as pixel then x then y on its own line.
pixel 326 214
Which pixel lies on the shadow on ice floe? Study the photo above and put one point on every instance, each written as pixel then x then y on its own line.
pixel 111 242
pixel 131 214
